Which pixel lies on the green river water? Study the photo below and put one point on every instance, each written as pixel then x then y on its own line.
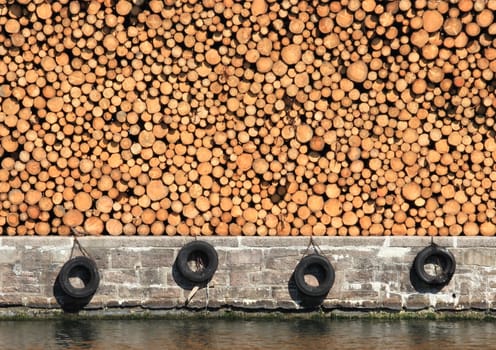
pixel 193 334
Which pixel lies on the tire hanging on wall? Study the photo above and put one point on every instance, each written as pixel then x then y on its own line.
pixel 442 257
pixel 86 270
pixel 314 261
pixel 203 255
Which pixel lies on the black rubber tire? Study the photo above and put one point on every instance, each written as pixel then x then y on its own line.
pixel 312 261
pixel 443 257
pixel 86 270
pixel 208 255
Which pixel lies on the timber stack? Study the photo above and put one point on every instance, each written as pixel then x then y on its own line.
pixel 262 117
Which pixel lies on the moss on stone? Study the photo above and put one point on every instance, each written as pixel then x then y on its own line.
pixel 24 314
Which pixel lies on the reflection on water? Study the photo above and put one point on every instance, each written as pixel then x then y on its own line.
pixel 79 334
pixel 240 335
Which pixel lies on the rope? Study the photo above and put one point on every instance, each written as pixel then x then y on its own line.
pixel 76 243
pixel 437 262
pixel 315 246
pixel 206 299
pixel 316 249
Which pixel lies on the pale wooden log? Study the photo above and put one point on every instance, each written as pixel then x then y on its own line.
pixel 114 227
pixel 94 226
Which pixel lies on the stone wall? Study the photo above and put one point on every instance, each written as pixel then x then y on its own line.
pixel 253 273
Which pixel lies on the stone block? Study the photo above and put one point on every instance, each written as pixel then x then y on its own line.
pixel 100 256
pixel 405 284
pixel 268 242
pixel 114 303
pixel 346 304
pixel 60 256
pixel 281 252
pixel 161 304
pixel 350 242
pixel 124 259
pixel 198 305
pixel 285 304
pixel 468 288
pixel 222 258
pixel 49 275
pixel 282 293
pixel 391 301
pixel 99 302
pixel 240 278
pixel 463 302
pixel 394 255
pixel 133 242
pixel 275 277
pixel 443 306
pixel 340 282
pixel 334 293
pixel 479 257
pixel 37 302
pixel 365 258
pixel 254 293
pixel 34 260
pixel 358 297
pixel 217 294
pixel 371 304
pixel 10 300
pixel 491 283
pixel 107 290
pixel 342 259
pixel 330 304
pixel 357 276
pixel 491 302
pixel 218 242
pixel 416 302
pixel 445 241
pixel 266 304
pixel 47 290
pixel 475 242
pixel 128 293
pixel 131 304
pixel 151 276
pixel 481 304
pixel 475 280
pixel 413 241
pixel 156 257
pixel 120 277
pixel 220 278
pixel 170 276
pixel 9 255
pixel 167 293
pixel 283 259
pixel 250 258
pixel 52 302
pixel 407 241
pixel 21 282
pixel 390 278
pixel 36 242
pixel 32 288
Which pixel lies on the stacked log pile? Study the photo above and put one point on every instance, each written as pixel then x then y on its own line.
pixel 262 117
